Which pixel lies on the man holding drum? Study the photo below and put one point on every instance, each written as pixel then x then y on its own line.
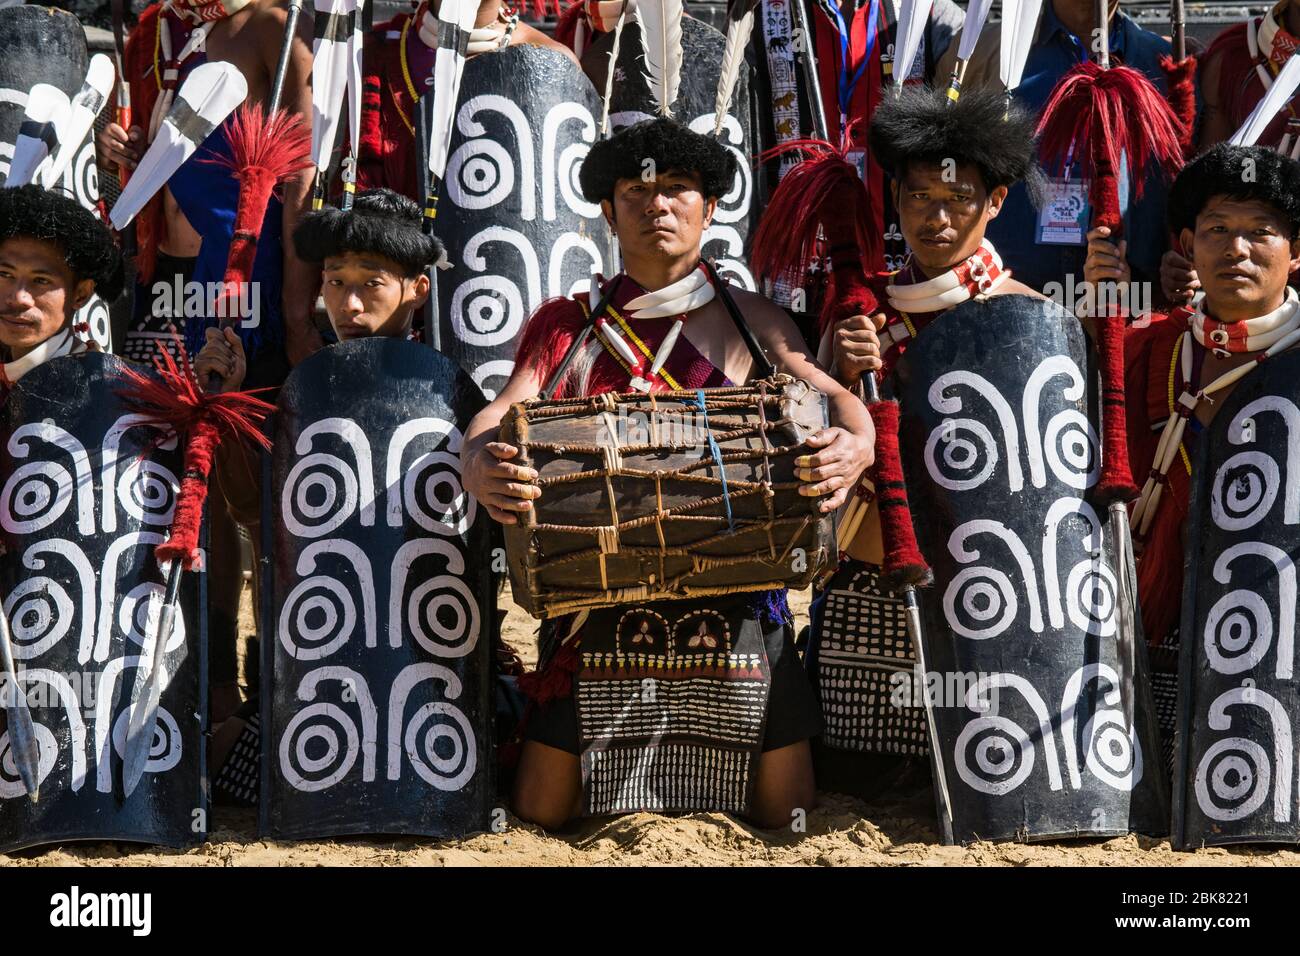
pixel 665 325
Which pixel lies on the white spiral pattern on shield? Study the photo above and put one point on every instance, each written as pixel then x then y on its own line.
pixel 35 496
pixel 980 602
pixel 320 493
pixel 1238 631
pixel 40 614
pixel 1092 597
pixel 480 174
pixel 993 755
pixel 1073 452
pixel 319 747
pixel 487 310
pixel 138 615
pixel 147 491
pixel 1244 489
pixel 960 453
pixel 47 752
pixel 434 497
pixel 1233 779
pixel 317 617
pixel 1109 750
pixel 165 747
pixel 442 616
pixel 439 742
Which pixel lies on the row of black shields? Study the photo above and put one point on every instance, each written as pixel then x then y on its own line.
pixel 378 607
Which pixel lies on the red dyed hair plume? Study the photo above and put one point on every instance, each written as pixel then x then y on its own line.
pixel 173 398
pixel 824 192
pixel 1180 81
pixel 1103 117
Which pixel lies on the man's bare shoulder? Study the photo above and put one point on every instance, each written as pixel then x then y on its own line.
pixel 524 34
pixel 757 308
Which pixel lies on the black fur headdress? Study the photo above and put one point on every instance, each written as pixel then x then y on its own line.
pixel 920 124
pixel 669 145
pixel 380 222
pixel 30 212
pixel 1239 172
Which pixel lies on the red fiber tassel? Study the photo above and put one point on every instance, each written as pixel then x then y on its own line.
pixel 566 27
pixel 174 399
pixel 555 680
pixel 1180 83
pixel 1105 117
pixel 904 563
pixel 1116 482
pixel 262 153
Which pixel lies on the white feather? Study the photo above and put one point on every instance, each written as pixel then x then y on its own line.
pixel 911 28
pixel 355 43
pixel 1278 95
pixel 47 106
pixel 86 105
pixel 661 43
pixel 448 65
pixel 212 90
pixel 733 59
pixel 329 80
pixel 972 27
pixel 609 72
pixel 1019 24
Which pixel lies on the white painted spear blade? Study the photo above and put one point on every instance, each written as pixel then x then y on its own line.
pixel 355 43
pixel 911 28
pixel 86 105
pixel 208 95
pixel 1278 95
pixel 47 110
pixel 972 27
pixel 150 681
pixel 329 73
pixel 455 21
pixel 1019 24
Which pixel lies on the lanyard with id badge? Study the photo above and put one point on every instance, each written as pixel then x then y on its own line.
pixel 1066 214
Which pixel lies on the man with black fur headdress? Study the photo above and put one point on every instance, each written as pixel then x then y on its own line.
pixel 664 327
pixel 54 254
pixel 1236 211
pixel 951 164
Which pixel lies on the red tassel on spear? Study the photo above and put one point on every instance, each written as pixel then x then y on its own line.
pixel 262 154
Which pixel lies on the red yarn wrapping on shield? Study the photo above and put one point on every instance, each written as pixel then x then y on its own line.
pixel 1105 117
pixel 1116 482
pixel 904 563
pixel 262 153
pixel 173 400
pixel 1180 83
pixel 823 193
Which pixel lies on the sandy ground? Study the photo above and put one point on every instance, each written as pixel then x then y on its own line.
pixel 841 831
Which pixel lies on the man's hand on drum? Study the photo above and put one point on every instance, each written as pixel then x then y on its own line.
pixel 502 487
pixel 833 469
pixel 856 348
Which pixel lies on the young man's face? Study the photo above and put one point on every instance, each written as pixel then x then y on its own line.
pixel 664 217
pixel 1243 254
pixel 38 293
pixel 369 295
pixel 943 211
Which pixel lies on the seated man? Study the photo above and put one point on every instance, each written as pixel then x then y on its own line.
pixel 658 184
pixel 54 254
pixel 374 260
pixel 1242 234
pixel 951 164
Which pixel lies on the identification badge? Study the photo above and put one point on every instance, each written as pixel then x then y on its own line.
pixel 858 157
pixel 1063 220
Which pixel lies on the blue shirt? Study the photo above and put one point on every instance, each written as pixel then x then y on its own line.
pixel 1015 231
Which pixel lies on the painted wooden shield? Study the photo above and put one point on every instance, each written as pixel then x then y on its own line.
pixel 46 45
pixel 380 621
pixel 88 492
pixel 727 239
pixel 1235 770
pixel 1041 706
pixel 512 216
